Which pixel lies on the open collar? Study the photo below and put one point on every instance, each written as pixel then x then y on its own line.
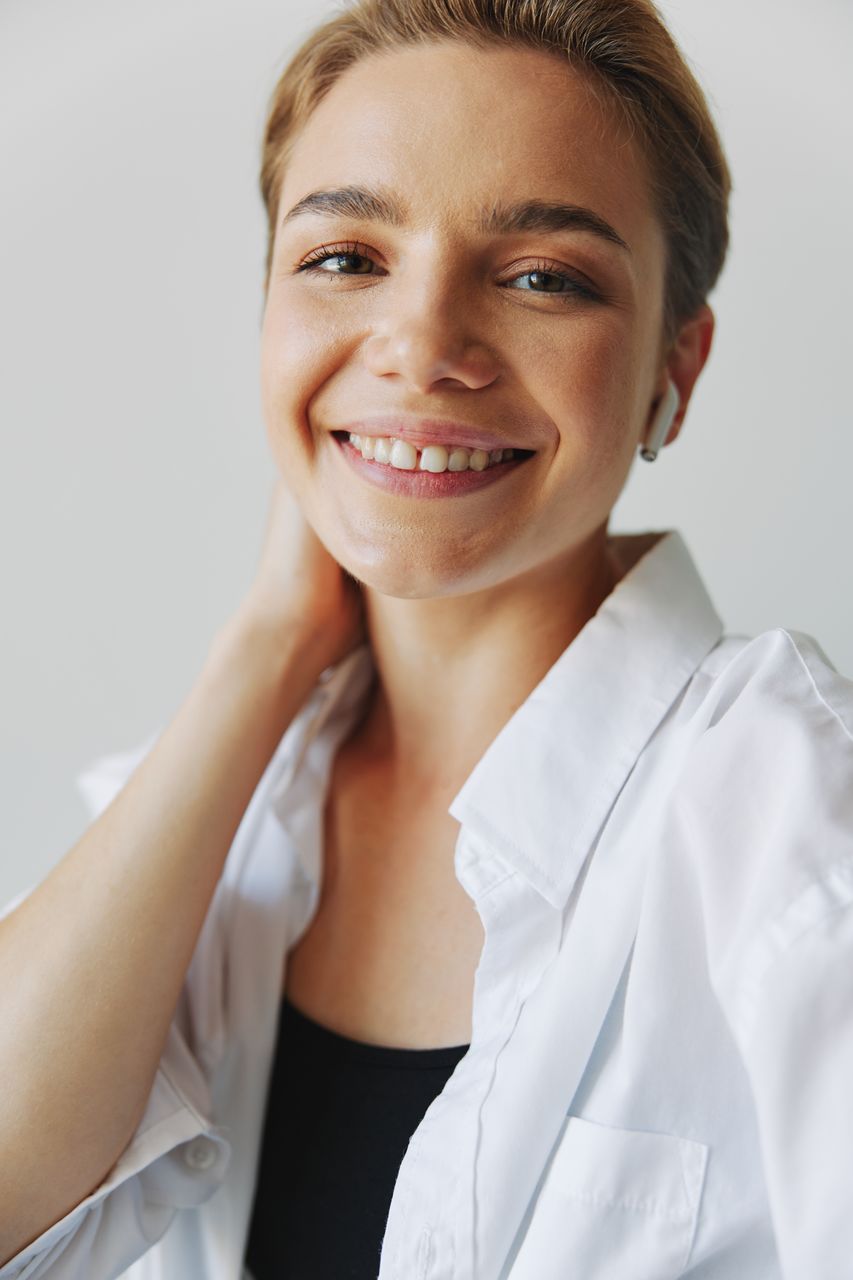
pixel 545 785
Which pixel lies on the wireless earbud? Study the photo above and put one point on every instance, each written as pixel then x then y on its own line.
pixel 661 423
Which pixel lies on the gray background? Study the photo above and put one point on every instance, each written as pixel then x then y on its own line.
pixel 135 472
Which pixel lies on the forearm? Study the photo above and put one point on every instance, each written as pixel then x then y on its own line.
pixel 93 960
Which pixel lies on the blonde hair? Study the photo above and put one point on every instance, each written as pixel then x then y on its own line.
pixel 622 44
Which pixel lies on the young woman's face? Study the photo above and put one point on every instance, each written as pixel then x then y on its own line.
pixel 438 317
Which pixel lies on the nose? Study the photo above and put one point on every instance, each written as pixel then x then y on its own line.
pixel 426 340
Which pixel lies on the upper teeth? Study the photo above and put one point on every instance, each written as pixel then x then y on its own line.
pixel 433 457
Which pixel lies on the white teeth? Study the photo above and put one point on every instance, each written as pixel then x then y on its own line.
pixel 404 456
pixel 433 457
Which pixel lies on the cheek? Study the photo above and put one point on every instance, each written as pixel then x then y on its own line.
pixel 588 389
pixel 591 388
pixel 284 349
pixel 296 357
pixel 301 337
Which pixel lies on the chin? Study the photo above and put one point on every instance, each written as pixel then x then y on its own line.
pixel 393 574
pixel 399 560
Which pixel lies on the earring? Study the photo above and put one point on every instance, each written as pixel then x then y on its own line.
pixel 661 423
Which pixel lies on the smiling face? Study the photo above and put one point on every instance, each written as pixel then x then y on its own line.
pixel 444 321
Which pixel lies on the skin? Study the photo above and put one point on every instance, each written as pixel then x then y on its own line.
pixel 468 600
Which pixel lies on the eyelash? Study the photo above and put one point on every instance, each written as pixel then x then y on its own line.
pixel 353 250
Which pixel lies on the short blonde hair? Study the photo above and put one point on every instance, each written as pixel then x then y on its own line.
pixel 622 44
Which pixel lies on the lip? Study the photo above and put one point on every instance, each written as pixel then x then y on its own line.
pixel 424 431
pixel 423 484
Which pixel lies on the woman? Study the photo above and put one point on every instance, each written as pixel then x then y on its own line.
pixel 485 910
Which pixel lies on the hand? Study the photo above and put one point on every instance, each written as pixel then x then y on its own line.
pixel 300 587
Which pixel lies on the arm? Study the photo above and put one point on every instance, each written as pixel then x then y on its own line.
pixel 93 960
pixel 798 1050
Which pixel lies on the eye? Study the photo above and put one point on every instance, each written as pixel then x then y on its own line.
pixel 343 253
pixel 553 282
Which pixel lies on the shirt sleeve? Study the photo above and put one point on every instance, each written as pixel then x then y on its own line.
pixel 798 1052
pixel 176 1159
pixel 770 801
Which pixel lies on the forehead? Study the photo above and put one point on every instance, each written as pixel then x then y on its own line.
pixel 452 128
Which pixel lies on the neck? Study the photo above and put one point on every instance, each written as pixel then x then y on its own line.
pixel 452 670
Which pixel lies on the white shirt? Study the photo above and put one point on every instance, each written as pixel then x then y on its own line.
pixel 663 779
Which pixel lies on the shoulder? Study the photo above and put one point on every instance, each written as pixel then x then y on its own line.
pixel 769 710
pixel 768 755
pixel 781 676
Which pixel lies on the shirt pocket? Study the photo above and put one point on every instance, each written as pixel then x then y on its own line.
pixel 613 1202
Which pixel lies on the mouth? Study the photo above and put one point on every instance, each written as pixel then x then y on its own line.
pixel 435 470
pixel 436 458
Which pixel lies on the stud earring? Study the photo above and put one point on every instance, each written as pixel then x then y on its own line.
pixel 661 423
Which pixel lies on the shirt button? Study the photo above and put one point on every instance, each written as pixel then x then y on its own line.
pixel 200 1154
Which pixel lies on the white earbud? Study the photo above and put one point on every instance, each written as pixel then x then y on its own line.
pixel 661 423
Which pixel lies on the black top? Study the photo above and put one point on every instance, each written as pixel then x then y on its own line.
pixel 339 1116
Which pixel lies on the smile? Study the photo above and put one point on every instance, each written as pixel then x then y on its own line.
pixel 433 471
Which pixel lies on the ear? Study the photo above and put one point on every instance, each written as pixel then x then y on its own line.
pixel 683 363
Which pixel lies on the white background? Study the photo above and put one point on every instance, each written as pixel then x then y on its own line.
pixel 135 472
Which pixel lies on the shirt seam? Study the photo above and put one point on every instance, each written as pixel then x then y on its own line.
pixel 810 677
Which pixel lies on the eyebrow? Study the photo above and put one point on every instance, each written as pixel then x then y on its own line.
pixel 501 219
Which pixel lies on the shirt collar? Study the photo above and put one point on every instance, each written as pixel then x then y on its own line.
pixel 546 783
